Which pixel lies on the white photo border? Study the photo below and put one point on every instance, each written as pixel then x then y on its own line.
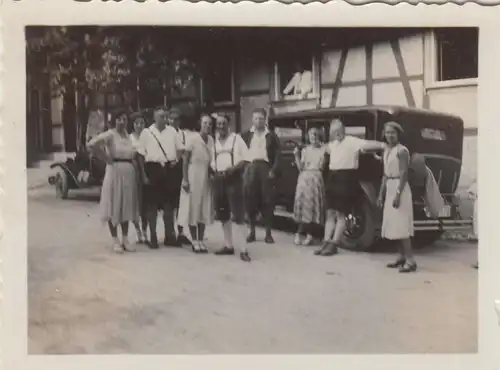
pixel 17 14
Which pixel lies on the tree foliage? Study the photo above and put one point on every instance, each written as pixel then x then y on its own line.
pixel 86 59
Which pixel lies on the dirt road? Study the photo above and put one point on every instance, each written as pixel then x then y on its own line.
pixel 84 299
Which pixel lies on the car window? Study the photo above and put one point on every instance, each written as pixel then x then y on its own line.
pixel 433 134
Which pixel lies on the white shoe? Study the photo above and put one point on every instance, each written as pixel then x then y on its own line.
pixel 126 246
pixel 308 240
pixel 297 240
pixel 117 247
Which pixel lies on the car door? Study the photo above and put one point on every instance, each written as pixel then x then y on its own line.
pixel 290 135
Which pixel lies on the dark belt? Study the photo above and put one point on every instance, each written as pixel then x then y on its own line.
pixel 260 161
pixel 122 160
pixel 169 164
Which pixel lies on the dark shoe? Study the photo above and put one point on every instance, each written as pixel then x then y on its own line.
pixel 224 251
pixel 269 239
pixel 183 240
pixel 245 257
pixel 330 249
pixel 171 242
pixel 318 252
pixel 251 237
pixel 398 263
pixel 408 267
pixel 153 244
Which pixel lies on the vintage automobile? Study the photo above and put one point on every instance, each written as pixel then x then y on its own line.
pixel 435 138
pixel 82 171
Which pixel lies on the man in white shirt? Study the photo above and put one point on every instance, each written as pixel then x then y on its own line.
pixel 159 149
pixel 260 174
pixel 342 185
pixel 228 161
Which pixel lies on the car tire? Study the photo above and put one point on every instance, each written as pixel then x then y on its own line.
pixel 61 184
pixel 361 238
pixel 426 238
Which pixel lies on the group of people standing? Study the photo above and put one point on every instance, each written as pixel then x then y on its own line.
pixel 195 177
pixel 190 175
pixel 327 201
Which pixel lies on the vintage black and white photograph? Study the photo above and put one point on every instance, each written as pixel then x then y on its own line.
pixel 251 190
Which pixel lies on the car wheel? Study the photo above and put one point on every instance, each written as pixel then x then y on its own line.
pixel 61 184
pixel 360 232
pixel 426 238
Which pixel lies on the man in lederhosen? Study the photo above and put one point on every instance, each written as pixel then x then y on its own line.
pixel 159 152
pixel 228 162
pixel 177 121
pixel 260 174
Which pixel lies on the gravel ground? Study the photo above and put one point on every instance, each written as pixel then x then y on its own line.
pixel 85 300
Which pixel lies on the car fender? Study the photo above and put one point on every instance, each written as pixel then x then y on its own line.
pixel 73 180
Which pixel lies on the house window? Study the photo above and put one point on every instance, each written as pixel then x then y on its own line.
pixel 295 78
pixel 457 53
pixel 218 83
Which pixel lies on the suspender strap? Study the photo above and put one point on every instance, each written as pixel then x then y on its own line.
pixel 232 152
pixel 159 143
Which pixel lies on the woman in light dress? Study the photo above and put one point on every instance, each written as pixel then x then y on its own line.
pixel 309 206
pixel 197 182
pixel 138 124
pixel 119 193
pixel 396 198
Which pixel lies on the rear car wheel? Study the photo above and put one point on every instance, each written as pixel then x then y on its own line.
pixel 61 184
pixel 360 232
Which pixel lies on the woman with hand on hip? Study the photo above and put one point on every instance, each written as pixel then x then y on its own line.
pixel 119 194
pixel 396 198
pixel 309 206
pixel 196 181
pixel 141 228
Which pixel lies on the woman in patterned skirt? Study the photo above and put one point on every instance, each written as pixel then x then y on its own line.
pixel 309 206
pixel 396 199
pixel 119 194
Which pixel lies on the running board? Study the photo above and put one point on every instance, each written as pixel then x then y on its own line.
pixel 423 225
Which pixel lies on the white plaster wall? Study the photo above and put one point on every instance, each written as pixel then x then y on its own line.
pixel 351 96
pixel 384 62
pixel 417 89
pixel 329 66
pixel 355 67
pixel 326 97
pixel 412 50
pixel 389 93
pixel 458 100
pixel 57 136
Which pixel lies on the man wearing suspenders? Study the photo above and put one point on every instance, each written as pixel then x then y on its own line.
pixel 176 120
pixel 159 147
pixel 230 155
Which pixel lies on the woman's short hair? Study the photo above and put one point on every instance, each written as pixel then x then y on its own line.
pixel 394 125
pixel 198 124
pixel 260 111
pixel 114 116
pixel 319 132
